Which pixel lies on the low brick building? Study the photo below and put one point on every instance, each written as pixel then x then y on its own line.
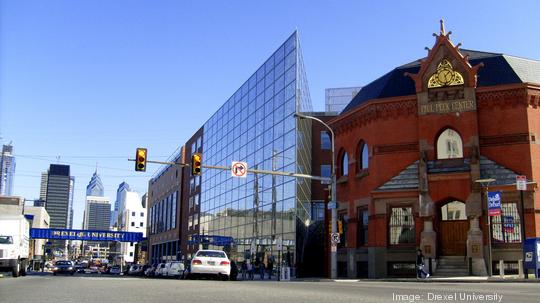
pixel 410 147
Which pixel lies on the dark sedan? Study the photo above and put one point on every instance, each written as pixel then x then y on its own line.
pixel 64 267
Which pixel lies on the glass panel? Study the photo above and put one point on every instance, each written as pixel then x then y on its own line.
pixel 326 144
pixel 506 228
pixel 453 211
pixel 449 145
pixel 401 226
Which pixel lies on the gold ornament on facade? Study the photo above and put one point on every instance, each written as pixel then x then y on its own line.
pixel 445 76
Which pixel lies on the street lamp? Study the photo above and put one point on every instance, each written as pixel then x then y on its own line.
pixel 485 184
pixel 333 250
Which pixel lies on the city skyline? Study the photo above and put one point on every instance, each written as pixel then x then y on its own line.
pixel 99 69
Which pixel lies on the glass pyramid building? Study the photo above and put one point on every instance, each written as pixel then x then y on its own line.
pixel 266 215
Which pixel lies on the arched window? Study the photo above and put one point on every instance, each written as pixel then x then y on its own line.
pixel 365 156
pixel 449 145
pixel 344 164
pixel 362 154
pixel 454 210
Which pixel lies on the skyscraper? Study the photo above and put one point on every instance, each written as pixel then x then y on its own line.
pixel 7 170
pixel 43 187
pixel 97 215
pixel 123 188
pixel 95 186
pixel 58 188
pixel 71 194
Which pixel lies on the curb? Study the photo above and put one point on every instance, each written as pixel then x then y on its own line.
pixel 433 280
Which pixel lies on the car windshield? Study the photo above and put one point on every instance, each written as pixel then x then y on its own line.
pixel 211 254
pixel 63 263
pixel 6 240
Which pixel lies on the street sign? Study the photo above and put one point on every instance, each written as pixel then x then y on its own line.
pixel 335 238
pixel 494 203
pixel 332 205
pixel 239 169
pixel 521 182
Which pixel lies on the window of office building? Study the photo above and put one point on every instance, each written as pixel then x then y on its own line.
pixel 326 142
pixel 326 170
pixel 506 228
pixel 362 226
pixel 401 226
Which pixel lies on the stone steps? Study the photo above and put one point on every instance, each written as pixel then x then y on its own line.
pixel 452 266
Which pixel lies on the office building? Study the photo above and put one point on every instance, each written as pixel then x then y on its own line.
pixel 259 213
pixel 7 170
pixel 58 191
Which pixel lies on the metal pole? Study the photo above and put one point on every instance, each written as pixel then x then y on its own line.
pixel 490 264
pixel 333 249
pixel 522 223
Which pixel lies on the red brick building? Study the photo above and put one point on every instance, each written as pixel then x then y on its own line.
pixel 410 147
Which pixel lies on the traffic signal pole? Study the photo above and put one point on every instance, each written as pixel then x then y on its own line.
pixel 253 171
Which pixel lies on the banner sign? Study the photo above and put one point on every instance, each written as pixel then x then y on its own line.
pixel 86 235
pixel 494 203
pixel 508 224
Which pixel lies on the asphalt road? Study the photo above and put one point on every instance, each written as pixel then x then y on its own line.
pixel 97 288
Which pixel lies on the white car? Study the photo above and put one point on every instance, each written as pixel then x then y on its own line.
pixel 211 262
pixel 159 270
pixel 174 269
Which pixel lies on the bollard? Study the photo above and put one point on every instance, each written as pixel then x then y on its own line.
pixel 501 268
pixel 521 273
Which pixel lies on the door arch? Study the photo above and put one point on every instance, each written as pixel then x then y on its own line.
pixel 453 228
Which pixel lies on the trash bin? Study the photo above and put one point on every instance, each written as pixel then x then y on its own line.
pixel 532 256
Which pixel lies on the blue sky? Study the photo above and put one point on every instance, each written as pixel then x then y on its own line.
pixel 90 81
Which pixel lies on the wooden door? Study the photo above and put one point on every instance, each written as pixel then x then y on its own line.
pixel 453 237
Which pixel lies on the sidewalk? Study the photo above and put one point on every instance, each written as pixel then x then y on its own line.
pixel 466 279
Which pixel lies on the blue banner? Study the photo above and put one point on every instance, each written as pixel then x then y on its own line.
pixel 494 203
pixel 86 235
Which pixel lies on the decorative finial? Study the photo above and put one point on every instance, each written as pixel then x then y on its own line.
pixel 443 32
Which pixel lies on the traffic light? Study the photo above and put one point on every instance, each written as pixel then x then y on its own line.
pixel 140 159
pixel 196 160
pixel 340 226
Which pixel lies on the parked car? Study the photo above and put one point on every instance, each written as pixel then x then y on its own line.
pixel 211 262
pixel 159 270
pixel 174 269
pixel 135 270
pixel 64 267
pixel 115 270
pixel 91 270
pixel 150 271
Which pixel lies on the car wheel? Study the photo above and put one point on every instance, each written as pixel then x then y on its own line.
pixel 16 269
pixel 54 274
pixel 23 268
pixel 72 273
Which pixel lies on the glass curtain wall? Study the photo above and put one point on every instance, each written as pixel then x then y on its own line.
pixel 256 125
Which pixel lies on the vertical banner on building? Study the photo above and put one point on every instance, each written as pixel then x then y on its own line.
pixel 494 203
